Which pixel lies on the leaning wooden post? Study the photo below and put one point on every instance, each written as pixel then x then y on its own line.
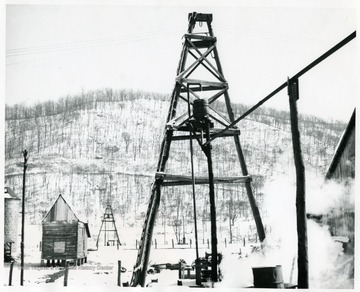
pixel 119 274
pixel 303 271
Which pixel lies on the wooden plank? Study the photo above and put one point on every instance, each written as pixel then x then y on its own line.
pixel 216 85
pixel 208 17
pixel 199 37
pixel 203 88
pixel 303 264
pixel 174 180
pixel 82 241
pixel 194 65
pixel 214 131
pixel 187 137
pixel 296 76
pixel 201 44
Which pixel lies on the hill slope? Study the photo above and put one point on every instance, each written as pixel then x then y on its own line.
pixel 103 146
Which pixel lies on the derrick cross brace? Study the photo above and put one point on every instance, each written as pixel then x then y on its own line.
pixel 191 46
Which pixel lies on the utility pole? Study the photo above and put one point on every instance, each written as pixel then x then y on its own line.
pixel 25 154
pixel 303 263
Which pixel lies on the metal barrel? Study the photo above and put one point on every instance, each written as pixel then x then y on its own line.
pixel 200 109
pixel 268 277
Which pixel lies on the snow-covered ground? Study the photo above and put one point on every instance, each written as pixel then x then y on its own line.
pixel 101 268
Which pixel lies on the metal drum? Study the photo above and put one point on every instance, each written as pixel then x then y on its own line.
pixel 200 109
pixel 268 277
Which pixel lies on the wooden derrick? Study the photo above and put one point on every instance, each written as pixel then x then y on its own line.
pixel 202 47
pixel 108 229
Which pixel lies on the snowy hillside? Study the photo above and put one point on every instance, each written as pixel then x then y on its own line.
pixel 103 146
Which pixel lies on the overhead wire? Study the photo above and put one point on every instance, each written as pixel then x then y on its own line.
pixel 267 34
pixel 88 44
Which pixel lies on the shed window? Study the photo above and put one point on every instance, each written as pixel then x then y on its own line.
pixel 59 247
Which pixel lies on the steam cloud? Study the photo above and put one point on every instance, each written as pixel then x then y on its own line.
pixel 328 266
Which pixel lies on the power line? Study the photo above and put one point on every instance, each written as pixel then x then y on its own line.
pixel 76 45
pixel 267 34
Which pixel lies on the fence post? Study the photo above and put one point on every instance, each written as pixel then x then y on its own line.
pixel 197 272
pixel 155 244
pixel 119 274
pixel 172 242
pixel 190 242
pixel 225 242
pixel 66 275
pixel 180 270
pixel 11 272
pixel 208 243
pixel 136 244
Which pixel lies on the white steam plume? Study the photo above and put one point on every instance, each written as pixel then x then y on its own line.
pixel 328 266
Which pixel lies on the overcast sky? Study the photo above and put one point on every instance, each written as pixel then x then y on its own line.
pixel 54 51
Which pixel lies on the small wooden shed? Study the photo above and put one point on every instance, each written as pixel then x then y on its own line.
pixel 64 236
pixel 342 170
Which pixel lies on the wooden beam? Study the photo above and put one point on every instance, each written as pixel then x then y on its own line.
pixel 195 64
pixel 200 17
pixel 210 68
pixel 201 44
pixel 204 88
pixel 217 95
pixel 203 83
pixel 214 131
pixel 296 76
pixel 303 264
pixel 187 137
pixel 216 72
pixel 181 180
pixel 199 37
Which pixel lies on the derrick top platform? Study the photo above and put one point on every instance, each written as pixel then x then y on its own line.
pixel 200 17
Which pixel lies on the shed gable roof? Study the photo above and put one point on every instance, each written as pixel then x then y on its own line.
pixel 347 137
pixel 60 211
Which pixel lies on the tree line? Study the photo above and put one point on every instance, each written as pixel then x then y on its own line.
pixel 82 101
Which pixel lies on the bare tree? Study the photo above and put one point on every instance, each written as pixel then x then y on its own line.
pixel 127 139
